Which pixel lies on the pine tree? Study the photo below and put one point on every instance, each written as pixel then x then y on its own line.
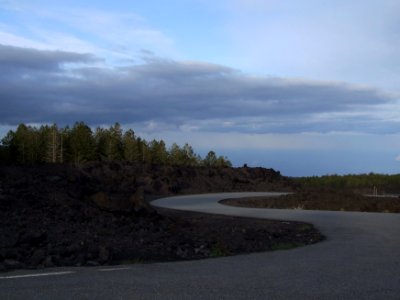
pixel 53 145
pixel 101 137
pixel 158 152
pixel 61 149
pixel 9 149
pixel 130 146
pixel 189 157
pixel 81 143
pixel 175 156
pixel 223 162
pixel 210 160
pixel 115 149
pixel 26 143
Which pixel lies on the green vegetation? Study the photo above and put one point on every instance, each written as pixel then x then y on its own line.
pixel 218 250
pixel 283 246
pixel 306 227
pixel 365 182
pixel 79 144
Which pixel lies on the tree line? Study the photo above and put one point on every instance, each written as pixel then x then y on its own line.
pixel 79 144
pixel 389 183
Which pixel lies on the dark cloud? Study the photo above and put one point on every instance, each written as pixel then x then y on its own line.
pixel 210 97
pixel 12 58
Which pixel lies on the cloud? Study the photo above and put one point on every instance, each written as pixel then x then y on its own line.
pixel 195 96
pixel 113 34
pixel 397 158
pixel 18 41
pixel 352 40
pixel 15 58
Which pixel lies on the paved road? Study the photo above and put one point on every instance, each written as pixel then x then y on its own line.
pixel 359 260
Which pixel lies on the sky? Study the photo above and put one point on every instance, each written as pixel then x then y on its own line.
pixel 305 87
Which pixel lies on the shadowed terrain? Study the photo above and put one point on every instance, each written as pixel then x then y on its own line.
pixel 96 214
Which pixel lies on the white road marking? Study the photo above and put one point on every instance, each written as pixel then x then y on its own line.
pixel 114 269
pixel 37 275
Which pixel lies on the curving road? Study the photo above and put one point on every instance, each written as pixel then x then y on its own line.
pixel 359 260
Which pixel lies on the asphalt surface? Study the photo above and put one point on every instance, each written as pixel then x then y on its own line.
pixel 359 260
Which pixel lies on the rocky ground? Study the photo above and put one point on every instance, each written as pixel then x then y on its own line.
pixel 61 215
pixel 322 199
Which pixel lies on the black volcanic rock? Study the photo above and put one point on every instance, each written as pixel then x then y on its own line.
pixel 62 215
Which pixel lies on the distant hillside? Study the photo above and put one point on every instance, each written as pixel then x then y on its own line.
pixel 364 183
